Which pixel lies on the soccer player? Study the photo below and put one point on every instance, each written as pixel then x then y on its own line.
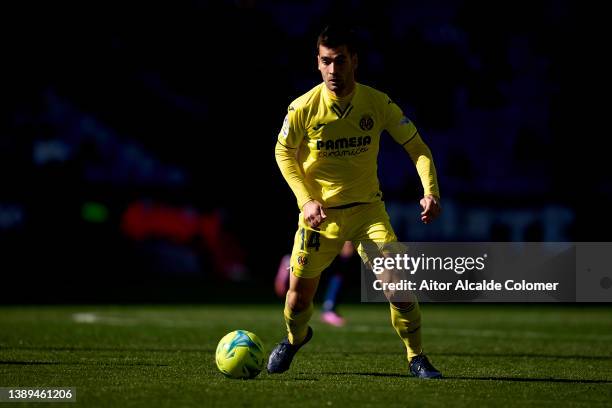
pixel 327 152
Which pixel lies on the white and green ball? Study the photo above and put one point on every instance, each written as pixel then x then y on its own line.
pixel 240 354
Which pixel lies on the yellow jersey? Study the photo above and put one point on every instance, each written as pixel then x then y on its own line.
pixel 328 147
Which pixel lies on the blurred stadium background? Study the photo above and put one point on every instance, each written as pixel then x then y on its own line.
pixel 136 147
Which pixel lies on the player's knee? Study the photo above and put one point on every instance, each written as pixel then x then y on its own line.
pixel 402 305
pixel 297 301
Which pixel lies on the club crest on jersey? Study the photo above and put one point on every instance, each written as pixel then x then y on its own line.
pixel 302 260
pixel 366 122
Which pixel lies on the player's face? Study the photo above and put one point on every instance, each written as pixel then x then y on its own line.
pixel 337 67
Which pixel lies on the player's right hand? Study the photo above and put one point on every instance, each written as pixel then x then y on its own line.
pixel 313 213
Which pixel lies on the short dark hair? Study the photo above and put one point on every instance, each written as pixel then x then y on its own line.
pixel 334 36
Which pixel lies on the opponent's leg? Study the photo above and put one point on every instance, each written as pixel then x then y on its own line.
pixel 340 267
pixel 281 281
pixel 329 314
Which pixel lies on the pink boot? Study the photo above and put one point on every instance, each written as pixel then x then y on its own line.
pixel 332 318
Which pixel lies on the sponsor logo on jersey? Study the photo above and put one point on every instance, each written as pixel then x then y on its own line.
pixel 318 126
pixel 366 122
pixel 302 260
pixel 344 143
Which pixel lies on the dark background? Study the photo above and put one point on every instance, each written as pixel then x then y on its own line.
pixel 137 139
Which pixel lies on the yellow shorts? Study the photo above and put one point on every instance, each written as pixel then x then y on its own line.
pixel 366 225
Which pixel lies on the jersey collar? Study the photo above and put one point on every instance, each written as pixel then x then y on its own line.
pixel 333 102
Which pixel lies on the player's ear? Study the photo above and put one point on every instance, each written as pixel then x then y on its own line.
pixel 355 60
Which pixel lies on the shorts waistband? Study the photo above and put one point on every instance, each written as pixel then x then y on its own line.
pixel 345 206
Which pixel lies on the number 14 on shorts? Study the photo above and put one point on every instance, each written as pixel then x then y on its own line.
pixel 312 241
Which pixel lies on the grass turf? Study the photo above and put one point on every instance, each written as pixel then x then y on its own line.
pixel 163 356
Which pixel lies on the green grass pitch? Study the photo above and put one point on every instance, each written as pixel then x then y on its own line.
pixel 163 356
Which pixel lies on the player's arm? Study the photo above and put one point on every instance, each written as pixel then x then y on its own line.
pixel 288 165
pixel 405 133
pixel 289 140
pixel 422 158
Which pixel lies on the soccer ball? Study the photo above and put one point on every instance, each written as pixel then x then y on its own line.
pixel 240 354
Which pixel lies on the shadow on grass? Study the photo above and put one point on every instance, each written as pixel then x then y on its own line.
pixel 26 363
pixel 528 355
pixel 471 354
pixel 345 353
pixel 526 379
pixel 275 377
pixel 130 349
pixel 515 379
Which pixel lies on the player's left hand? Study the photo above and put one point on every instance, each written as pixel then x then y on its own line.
pixel 431 208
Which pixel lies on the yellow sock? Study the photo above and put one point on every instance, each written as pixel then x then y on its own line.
pixel 407 323
pixel 297 324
